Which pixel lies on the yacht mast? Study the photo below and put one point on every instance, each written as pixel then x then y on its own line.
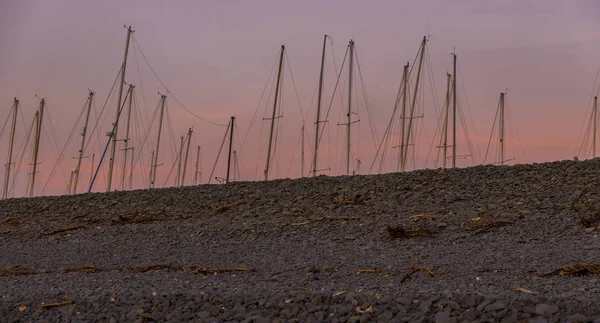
pixel 595 116
pixel 36 146
pixel 319 99
pixel 445 146
pixel 197 163
pixel 116 125
pixel 231 146
pixel 179 158
pixel 274 110
pixel 454 114
pixel 403 117
pixel 501 128
pixel 187 152
pixel 348 133
pixel 126 140
pixel 10 148
pixel 302 154
pixel 155 153
pixel 414 101
pixel 83 134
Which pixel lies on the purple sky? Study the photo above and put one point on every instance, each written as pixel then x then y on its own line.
pixel 215 57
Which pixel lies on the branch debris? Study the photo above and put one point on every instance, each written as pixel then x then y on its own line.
pixel 413 270
pixel 327 218
pixel 399 232
pixel 223 208
pixel 483 225
pixel 579 269
pixel 56 304
pixel 211 271
pixel 15 271
pixel 153 267
pixel 82 269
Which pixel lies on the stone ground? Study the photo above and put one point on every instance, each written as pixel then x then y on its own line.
pixel 486 244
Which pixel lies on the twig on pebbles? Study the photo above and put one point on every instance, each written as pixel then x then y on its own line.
pixel 400 232
pixel 56 304
pixel 413 270
pixel 223 208
pixel 579 269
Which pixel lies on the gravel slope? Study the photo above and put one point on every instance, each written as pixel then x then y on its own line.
pixel 287 249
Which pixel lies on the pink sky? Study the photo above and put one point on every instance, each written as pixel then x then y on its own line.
pixel 215 57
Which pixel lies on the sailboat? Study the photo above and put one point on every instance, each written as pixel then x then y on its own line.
pixel 500 119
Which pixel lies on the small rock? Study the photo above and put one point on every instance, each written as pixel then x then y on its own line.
pixel 442 317
pixel 545 309
pixel 496 306
pixel 576 318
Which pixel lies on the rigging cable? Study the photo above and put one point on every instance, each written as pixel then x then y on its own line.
pixel 60 156
pixel 168 91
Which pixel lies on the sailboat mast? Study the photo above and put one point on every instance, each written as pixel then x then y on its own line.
pixel 131 168
pixel 414 101
pixel 150 181
pixel 274 110
pixel 126 140
pixel 454 114
pixel 197 163
pixel 116 125
pixel 403 117
pixel 83 134
pixel 236 167
pixel 501 128
pixel 319 99
pixel 36 147
pixel 445 147
pixel 595 116
pixel 231 146
pixel 92 170
pixel 349 115
pixel 302 154
pixel 185 161
pixel 179 157
pixel 10 148
pixel 155 153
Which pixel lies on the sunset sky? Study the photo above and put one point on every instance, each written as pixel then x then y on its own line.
pixel 216 56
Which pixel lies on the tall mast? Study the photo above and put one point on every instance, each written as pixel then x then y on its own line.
pixel 348 134
pixel 83 134
pixel 179 157
pixel 595 116
pixel 231 145
pixel 131 168
pixel 302 154
pixel 197 163
pixel 185 161
pixel 319 98
pixel 445 146
pixel 126 140
pixel 454 114
pixel 92 170
pixel 150 180
pixel 414 100
pixel 236 167
pixel 274 110
pixel 404 99
pixel 155 152
pixel 10 148
pixel 36 147
pixel 501 128
pixel 119 98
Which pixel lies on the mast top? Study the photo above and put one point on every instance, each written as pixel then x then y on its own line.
pixel 129 28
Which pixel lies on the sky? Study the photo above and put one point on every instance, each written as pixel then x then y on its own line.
pixel 217 57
